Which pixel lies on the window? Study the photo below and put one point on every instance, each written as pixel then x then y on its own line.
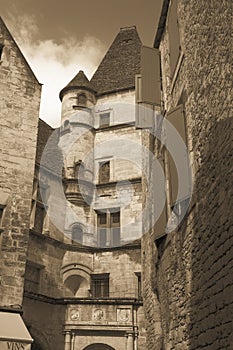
pixel 139 286
pixel 32 277
pixel 104 172
pixel 66 125
pixel 174 37
pixel 77 234
pixel 104 119
pixel 39 217
pixel 79 170
pixel 1 50
pixel 82 100
pixel 115 229
pixel 1 215
pixel 100 285
pixel 108 224
pixel 102 229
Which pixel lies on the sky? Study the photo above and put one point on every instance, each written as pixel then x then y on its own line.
pixel 59 38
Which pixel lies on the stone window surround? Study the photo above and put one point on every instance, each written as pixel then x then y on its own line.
pixel 109 224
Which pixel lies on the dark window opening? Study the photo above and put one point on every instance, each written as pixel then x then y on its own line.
pixel 77 234
pixel 139 291
pixel 66 124
pixel 100 286
pixel 1 50
pixel 104 172
pixel 79 170
pixel 82 100
pixel 1 215
pixel 39 217
pixel 104 120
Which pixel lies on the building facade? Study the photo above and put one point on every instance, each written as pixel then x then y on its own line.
pixel 186 272
pixel 19 105
pixel 74 268
pixel 81 275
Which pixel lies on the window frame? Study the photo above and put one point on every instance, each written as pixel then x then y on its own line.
pixel 111 229
pixel 2 212
pixel 1 50
pixel 74 226
pixel 101 174
pixel 103 280
pixel 102 117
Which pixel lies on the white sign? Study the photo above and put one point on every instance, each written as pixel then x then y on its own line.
pixel 11 345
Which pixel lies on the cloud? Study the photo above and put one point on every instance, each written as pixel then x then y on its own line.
pixel 54 63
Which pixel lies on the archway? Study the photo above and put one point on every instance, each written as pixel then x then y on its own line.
pixel 98 346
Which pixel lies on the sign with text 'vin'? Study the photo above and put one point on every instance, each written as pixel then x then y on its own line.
pixel 9 345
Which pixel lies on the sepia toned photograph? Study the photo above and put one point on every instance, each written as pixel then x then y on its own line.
pixel 116 195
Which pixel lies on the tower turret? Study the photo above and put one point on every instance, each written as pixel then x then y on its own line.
pixel 77 141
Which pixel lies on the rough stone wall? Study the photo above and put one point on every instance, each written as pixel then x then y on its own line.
pixel 45 322
pixel 191 268
pixel 19 108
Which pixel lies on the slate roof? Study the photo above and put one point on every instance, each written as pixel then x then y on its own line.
pixel 47 142
pixel 120 64
pixel 79 81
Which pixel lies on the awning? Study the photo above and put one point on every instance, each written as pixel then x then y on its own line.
pixel 13 332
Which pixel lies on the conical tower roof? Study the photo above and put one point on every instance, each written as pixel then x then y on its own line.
pixel 79 81
pixel 120 64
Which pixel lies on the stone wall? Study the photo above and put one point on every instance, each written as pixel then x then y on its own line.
pixel 188 281
pixel 19 108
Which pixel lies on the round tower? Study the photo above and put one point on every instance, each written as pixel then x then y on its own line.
pixel 77 143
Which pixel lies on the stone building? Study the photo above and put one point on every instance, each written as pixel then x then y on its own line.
pixel 187 271
pixel 19 106
pixel 79 286
pixel 72 217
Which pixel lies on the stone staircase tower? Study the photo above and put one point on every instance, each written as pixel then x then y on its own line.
pixel 77 140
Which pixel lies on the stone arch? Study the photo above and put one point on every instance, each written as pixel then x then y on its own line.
pixel 77 279
pixel 98 346
pixel 39 340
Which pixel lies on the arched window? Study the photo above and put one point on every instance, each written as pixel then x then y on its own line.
pixel 79 170
pixel 77 234
pixel 82 100
pixel 66 125
pixel 98 346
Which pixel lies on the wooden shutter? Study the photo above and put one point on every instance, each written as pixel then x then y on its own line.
pixel 159 194
pixel 102 229
pixel 179 158
pixel 174 37
pixel 115 228
pixel 150 73
pixel 144 116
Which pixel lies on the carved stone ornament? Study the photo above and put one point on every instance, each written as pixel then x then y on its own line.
pixel 123 315
pixel 75 314
pixel 98 314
